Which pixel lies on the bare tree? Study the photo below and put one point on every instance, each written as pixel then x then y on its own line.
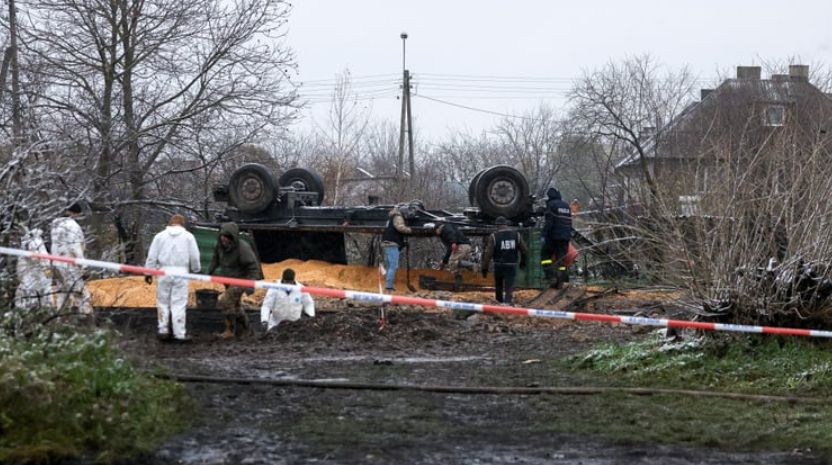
pixel 530 144
pixel 623 100
pixel 143 81
pixel 752 243
pixel 340 152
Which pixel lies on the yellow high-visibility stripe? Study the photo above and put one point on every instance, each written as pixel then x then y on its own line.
pixel 545 262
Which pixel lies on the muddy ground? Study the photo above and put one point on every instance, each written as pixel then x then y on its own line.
pixel 253 423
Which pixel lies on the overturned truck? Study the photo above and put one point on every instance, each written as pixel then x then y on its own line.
pixel 286 219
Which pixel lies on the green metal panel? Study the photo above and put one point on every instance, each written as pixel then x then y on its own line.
pixel 532 275
pixel 206 240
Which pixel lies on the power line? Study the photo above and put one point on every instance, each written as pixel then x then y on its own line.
pixel 481 110
pixel 352 78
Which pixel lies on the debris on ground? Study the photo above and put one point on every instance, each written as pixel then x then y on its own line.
pixel 132 291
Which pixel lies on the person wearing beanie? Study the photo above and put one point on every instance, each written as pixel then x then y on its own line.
pixel 285 304
pixel 67 240
pixel 174 249
pixel 557 232
pixel 507 248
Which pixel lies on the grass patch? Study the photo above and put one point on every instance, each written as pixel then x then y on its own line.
pixel 759 365
pixel 754 365
pixel 722 423
pixel 70 395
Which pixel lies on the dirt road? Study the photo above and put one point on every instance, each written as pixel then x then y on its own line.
pixel 253 423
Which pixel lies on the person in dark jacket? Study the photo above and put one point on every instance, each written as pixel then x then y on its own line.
pixel 557 232
pixel 457 247
pixel 392 242
pixel 507 248
pixel 234 258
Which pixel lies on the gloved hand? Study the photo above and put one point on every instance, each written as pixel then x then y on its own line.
pixel 485 272
pixel 454 247
pixel 522 263
pixel 148 279
pixel 249 290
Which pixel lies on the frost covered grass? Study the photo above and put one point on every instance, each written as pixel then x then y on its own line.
pixel 743 364
pixel 69 394
pixel 751 364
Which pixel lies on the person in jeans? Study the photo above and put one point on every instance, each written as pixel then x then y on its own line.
pixel 392 242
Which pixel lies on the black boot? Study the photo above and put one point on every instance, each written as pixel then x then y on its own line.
pixel 563 275
pixel 457 282
pixel 548 272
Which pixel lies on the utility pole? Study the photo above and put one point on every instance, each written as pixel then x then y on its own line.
pixel 406 121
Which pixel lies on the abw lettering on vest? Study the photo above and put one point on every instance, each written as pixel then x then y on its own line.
pixel 508 245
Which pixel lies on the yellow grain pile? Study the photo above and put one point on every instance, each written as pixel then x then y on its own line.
pixel 133 292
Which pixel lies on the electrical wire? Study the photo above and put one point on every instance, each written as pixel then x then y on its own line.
pixel 481 110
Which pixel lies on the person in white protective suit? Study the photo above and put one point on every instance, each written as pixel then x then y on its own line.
pixel 280 305
pixel 173 249
pixel 35 288
pixel 68 240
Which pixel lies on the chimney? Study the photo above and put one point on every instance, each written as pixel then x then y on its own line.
pixel 799 72
pixel 749 72
pixel 703 93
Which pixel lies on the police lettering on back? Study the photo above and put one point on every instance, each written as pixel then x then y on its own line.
pixel 508 244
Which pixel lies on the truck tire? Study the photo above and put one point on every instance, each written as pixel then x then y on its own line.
pixel 472 189
pixel 502 191
pixel 303 180
pixel 252 188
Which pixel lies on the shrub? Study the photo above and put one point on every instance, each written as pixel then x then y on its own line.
pixel 64 393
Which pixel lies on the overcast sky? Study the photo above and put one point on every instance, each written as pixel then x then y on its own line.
pixel 509 56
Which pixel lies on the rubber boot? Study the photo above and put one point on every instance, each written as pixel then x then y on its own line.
pixel 563 276
pixel 228 333
pixel 548 272
pixel 457 282
pixel 243 319
pixel 556 283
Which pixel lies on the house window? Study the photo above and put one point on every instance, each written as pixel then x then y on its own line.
pixel 774 115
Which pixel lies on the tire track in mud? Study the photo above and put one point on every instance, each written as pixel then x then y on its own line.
pixel 251 423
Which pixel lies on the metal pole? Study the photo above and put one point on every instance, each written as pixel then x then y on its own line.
pixel 400 162
pixel 411 166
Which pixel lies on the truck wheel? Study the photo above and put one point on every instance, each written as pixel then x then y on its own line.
pixel 502 191
pixel 472 189
pixel 252 188
pixel 303 180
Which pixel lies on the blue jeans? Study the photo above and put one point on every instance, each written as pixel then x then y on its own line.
pixel 391 258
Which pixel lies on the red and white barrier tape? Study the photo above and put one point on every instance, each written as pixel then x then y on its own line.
pixel 404 300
